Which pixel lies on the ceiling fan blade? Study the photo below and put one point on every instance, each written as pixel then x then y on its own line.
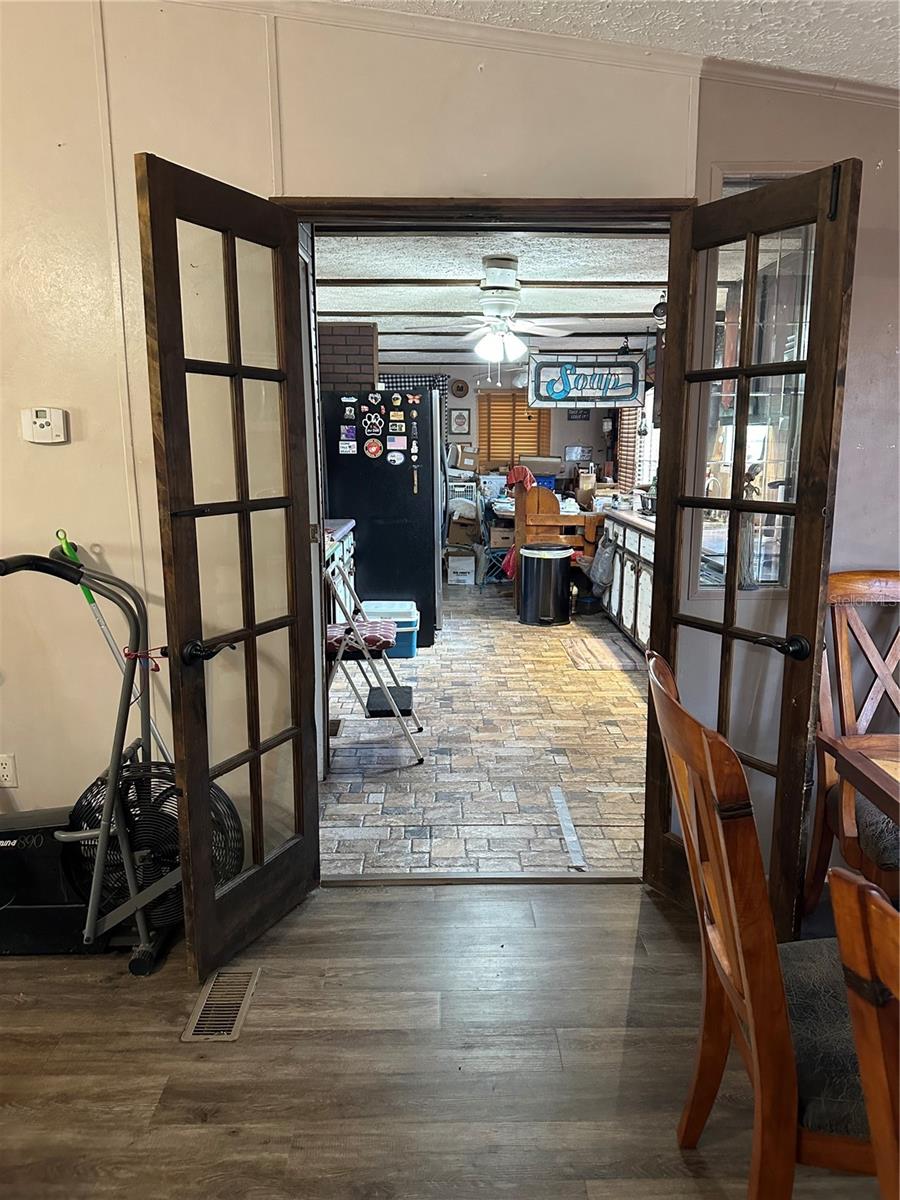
pixel 539 327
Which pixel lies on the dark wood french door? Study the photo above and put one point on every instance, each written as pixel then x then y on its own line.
pixel 759 308
pixel 230 369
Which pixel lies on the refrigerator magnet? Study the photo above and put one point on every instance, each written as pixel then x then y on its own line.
pixel 346 447
pixel 348 399
pixel 372 424
pixel 397 427
pixel 396 398
pixel 396 443
pixel 348 433
pixel 413 412
pixel 413 399
pixel 374 448
pixel 374 397
pixel 349 413
pixel 395 458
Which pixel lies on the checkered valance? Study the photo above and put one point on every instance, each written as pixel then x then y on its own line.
pixel 409 383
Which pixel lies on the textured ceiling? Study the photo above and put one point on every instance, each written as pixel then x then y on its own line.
pixel 541 256
pixel 851 39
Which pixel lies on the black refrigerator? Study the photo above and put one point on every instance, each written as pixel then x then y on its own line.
pixel 384 468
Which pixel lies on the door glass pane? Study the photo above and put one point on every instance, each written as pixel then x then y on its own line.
pixel 764 551
pixel 256 304
pixel 762 793
pixel 773 437
pixel 262 421
pixel 783 291
pixel 212 438
pixel 273 665
pixel 757 673
pixel 268 535
pixel 716 404
pixel 697 659
pixel 201 268
pixel 219 566
pixel 226 704
pixel 704 558
pixel 279 814
pixel 725 281
pixel 232 840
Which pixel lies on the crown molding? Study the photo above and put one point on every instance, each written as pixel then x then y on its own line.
pixel 724 70
pixel 463 33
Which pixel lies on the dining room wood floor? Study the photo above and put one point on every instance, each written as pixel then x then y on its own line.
pixel 481 1042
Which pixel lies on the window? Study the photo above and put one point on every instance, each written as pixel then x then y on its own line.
pixel 508 428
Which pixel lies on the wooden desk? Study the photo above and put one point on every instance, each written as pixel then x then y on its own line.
pixel 870 763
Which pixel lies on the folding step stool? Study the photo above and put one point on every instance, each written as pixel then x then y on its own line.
pixel 361 641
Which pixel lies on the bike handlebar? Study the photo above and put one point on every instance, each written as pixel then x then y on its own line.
pixel 61 569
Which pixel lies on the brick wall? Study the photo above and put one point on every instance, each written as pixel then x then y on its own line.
pixel 348 356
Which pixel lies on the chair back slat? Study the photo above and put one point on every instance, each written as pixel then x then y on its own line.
pixel 848 591
pixel 724 861
pixel 868 929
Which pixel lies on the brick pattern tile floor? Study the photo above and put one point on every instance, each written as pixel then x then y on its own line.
pixel 507 717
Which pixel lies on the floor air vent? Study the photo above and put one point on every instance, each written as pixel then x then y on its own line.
pixel 220 1011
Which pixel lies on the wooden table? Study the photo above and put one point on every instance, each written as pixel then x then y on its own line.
pixel 869 762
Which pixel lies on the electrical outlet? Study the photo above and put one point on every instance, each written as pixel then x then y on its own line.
pixel 8 776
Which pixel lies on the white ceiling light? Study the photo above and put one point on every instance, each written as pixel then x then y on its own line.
pixel 490 347
pixel 500 344
pixel 513 346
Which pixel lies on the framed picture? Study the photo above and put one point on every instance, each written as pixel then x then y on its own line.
pixel 460 422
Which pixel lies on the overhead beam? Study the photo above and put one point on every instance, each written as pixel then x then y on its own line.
pixel 526 316
pixel 588 284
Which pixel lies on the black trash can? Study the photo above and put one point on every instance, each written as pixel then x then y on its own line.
pixel 545 585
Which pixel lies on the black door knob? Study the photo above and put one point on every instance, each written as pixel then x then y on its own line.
pixel 197 651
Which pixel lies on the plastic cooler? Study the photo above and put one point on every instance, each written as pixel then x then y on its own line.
pixel 406 616
pixel 546 481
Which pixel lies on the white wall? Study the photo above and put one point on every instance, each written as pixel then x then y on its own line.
pixel 301 103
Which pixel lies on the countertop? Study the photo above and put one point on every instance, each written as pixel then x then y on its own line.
pixel 338 527
pixel 642 521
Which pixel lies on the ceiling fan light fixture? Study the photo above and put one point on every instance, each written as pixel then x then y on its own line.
pixel 491 346
pixel 513 346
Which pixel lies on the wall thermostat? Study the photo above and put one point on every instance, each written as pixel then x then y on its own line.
pixel 45 425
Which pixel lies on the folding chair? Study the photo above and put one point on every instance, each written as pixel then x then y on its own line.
pixel 358 640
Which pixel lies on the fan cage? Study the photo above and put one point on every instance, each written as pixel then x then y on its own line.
pixel 149 800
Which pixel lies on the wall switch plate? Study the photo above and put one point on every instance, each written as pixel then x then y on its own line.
pixel 8 776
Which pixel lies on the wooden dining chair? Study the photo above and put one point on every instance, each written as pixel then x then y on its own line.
pixel 784 1008
pixel 868 839
pixel 868 929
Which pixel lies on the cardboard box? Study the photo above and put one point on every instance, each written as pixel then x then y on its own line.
pixel 463 531
pixel 461 568
pixel 468 459
pixel 502 536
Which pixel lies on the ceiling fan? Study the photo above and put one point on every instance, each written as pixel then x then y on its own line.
pixel 498 328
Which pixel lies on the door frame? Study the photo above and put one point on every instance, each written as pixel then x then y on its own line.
pixel 336 215
pixel 829 198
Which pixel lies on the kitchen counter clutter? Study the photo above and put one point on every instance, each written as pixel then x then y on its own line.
pixel 628 600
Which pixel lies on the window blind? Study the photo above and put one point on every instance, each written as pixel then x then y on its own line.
pixel 508 428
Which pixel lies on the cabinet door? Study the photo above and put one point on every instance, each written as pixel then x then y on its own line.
pixel 629 594
pixel 644 605
pixel 615 591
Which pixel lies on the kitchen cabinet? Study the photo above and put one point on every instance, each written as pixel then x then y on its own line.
pixel 628 600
